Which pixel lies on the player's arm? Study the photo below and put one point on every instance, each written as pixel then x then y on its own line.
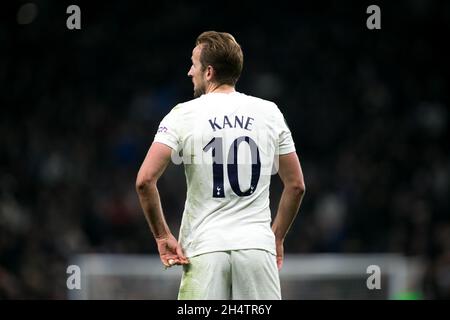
pixel 152 168
pixel 291 175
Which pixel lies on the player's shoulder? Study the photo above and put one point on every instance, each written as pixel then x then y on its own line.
pixel 260 102
pixel 186 106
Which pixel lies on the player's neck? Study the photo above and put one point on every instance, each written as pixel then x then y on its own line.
pixel 222 88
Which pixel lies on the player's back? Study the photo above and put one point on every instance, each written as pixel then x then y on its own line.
pixel 228 143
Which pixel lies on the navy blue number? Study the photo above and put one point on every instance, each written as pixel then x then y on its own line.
pixel 216 145
pixel 233 166
pixel 218 186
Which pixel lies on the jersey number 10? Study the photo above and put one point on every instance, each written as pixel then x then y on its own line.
pixel 217 154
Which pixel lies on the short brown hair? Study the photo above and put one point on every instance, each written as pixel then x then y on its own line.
pixel 221 51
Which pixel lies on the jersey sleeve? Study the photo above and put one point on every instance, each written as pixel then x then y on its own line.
pixel 285 141
pixel 168 130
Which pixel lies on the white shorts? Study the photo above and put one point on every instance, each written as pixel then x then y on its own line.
pixel 250 274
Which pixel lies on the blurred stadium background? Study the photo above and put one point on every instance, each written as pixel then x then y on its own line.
pixel 369 111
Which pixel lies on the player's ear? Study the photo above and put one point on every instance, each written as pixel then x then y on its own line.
pixel 209 73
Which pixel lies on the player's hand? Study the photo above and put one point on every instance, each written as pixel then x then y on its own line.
pixel 170 251
pixel 280 253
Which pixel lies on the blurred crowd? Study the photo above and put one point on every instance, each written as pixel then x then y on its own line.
pixel 368 109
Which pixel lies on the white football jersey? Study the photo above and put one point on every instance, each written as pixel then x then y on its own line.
pixel 229 144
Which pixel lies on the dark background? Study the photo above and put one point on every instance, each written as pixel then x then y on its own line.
pixel 368 109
